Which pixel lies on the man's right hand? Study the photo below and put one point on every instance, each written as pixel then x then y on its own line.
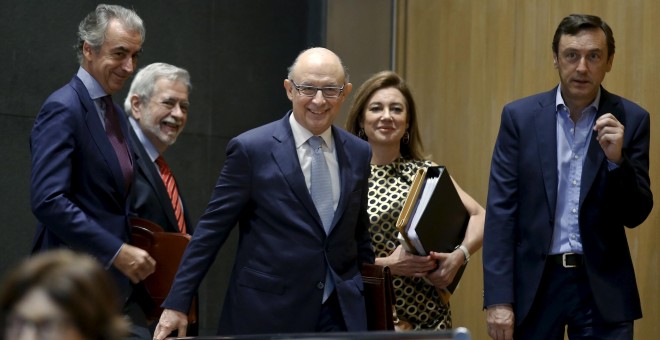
pixel 135 263
pixel 500 320
pixel 169 321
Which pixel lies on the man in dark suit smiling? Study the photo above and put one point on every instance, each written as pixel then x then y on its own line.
pixel 298 258
pixel 157 104
pixel 82 159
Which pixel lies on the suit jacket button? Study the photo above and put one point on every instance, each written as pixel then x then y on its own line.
pixel 320 285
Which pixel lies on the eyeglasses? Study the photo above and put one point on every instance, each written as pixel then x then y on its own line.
pixel 311 91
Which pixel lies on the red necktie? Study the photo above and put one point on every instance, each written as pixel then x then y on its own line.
pixel 116 137
pixel 172 191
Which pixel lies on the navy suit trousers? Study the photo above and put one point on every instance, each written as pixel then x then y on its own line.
pixel 564 303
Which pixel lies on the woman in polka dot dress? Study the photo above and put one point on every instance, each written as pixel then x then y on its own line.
pixel 383 113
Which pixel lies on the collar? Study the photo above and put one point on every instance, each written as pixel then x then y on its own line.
pixel 559 100
pixel 93 87
pixel 148 146
pixel 301 135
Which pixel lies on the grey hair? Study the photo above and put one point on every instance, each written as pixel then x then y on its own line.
pixel 92 29
pixel 295 62
pixel 145 79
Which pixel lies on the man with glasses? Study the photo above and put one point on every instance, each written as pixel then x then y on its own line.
pixel 297 188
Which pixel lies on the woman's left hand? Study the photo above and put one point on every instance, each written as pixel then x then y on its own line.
pixel 449 264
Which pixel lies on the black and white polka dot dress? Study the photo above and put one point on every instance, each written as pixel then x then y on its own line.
pixel 417 302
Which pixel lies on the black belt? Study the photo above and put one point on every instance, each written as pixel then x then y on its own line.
pixel 567 260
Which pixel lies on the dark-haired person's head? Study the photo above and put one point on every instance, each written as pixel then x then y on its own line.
pixel 366 104
pixel 583 53
pixel 575 23
pixel 61 295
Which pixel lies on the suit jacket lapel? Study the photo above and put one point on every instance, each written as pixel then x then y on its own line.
pixel 345 175
pixel 97 131
pixel 146 166
pixel 284 153
pixel 546 132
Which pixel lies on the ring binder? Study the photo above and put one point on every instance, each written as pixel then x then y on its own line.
pixel 433 217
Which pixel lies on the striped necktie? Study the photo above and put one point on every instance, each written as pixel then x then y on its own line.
pixel 172 191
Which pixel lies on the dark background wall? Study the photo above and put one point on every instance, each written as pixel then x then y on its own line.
pixel 237 53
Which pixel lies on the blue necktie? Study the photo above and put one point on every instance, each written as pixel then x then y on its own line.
pixel 321 190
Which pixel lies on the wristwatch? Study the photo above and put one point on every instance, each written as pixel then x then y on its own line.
pixel 465 251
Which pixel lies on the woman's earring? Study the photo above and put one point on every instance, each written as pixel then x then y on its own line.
pixel 361 134
pixel 406 138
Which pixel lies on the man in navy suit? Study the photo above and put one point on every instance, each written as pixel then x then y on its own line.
pixel 290 274
pixel 569 173
pixel 157 104
pixel 82 164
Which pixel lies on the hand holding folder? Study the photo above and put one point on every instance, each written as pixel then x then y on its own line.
pixel 433 217
pixel 167 249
